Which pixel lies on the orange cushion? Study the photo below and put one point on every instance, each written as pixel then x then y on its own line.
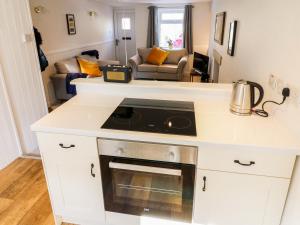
pixel 89 67
pixel 157 56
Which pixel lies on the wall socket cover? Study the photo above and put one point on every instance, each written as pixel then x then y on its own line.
pixel 273 82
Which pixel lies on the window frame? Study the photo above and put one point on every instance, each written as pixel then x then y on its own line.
pixel 161 21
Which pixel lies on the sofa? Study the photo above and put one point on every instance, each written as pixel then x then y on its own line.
pixel 71 65
pixel 171 69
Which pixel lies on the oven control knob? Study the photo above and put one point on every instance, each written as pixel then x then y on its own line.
pixel 120 151
pixel 172 155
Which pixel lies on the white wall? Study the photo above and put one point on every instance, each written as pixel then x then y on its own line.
pixel 92 32
pixel 267 42
pixel 201 26
pixel 22 77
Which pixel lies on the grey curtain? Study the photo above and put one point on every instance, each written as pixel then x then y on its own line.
pixel 188 29
pixel 152 36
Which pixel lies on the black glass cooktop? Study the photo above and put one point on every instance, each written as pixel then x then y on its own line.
pixel 157 116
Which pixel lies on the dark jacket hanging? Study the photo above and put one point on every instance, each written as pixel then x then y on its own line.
pixel 42 58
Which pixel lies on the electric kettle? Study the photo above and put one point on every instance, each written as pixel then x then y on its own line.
pixel 243 97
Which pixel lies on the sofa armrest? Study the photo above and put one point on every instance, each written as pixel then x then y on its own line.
pixel 182 62
pixel 181 65
pixel 134 61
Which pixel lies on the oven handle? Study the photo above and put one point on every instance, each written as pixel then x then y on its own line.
pixel 147 169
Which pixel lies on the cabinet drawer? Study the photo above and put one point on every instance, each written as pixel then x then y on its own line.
pixel 247 162
pixel 67 146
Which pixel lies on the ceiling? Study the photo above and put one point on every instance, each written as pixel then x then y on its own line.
pixel 121 2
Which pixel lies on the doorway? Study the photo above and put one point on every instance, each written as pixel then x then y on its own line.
pixel 124 23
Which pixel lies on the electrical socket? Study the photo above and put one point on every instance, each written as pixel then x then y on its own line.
pixel 273 81
pixel 277 86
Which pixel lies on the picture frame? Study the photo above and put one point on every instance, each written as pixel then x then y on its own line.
pixel 71 24
pixel 219 27
pixel 232 37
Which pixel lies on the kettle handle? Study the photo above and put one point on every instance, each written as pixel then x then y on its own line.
pixel 261 93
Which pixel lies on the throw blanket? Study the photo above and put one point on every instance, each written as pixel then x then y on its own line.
pixel 71 89
pixel 94 53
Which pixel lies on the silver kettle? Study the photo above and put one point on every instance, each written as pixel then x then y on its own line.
pixel 243 97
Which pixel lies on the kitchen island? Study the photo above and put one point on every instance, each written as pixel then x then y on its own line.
pixel 243 169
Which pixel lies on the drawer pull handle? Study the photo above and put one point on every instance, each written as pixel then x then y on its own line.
pixel 244 164
pixel 92 172
pixel 204 184
pixel 70 146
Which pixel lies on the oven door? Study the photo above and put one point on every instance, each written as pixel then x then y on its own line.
pixel 148 188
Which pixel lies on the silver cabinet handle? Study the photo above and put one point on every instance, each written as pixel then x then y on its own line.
pixel 146 169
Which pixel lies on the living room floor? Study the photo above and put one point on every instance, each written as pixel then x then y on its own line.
pixel 24 198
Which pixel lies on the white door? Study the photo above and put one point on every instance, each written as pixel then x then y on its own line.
pixel 125 35
pixel 238 199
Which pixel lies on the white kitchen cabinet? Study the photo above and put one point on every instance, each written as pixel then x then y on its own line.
pixel 238 199
pixel 73 177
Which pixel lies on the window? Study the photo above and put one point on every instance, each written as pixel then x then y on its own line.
pixel 170 28
pixel 126 24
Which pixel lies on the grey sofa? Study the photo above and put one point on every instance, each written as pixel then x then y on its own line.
pixel 171 69
pixel 70 65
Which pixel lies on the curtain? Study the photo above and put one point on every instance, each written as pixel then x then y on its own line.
pixel 152 37
pixel 187 29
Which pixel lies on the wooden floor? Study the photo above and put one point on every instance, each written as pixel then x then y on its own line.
pixel 24 198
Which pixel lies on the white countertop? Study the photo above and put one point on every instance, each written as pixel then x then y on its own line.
pixel 96 100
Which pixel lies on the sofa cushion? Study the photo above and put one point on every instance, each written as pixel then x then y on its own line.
pixel 143 53
pixel 157 56
pixel 175 55
pixel 67 66
pixel 167 68
pixel 89 67
pixel 147 68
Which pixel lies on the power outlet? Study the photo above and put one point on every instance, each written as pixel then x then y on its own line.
pixel 273 81
pixel 277 85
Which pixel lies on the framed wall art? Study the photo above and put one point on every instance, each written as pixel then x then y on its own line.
pixel 232 37
pixel 71 24
pixel 219 27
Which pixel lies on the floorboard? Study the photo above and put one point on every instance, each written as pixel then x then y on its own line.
pixel 24 198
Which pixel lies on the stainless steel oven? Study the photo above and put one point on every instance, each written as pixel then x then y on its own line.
pixel 148 179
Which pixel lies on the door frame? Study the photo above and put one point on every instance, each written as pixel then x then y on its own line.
pixel 115 12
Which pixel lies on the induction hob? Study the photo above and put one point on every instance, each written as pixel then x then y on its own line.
pixel 157 116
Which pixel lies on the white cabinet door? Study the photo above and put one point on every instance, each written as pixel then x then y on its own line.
pixel 74 179
pixel 238 199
